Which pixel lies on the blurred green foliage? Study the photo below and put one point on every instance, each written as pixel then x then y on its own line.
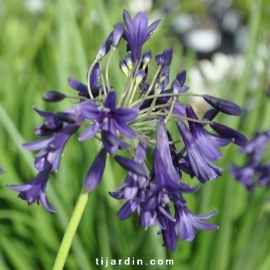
pixel 38 51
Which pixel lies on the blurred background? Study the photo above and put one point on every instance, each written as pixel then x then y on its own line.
pixel 223 45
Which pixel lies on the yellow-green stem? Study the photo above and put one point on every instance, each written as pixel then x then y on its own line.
pixel 71 230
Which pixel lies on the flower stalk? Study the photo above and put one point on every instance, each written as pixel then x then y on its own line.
pixel 71 230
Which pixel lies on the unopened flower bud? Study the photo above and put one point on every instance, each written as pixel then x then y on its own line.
pixel 53 96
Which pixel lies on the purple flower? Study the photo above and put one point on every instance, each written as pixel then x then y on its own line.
pixel 169 234
pixel 186 221
pixel 109 120
pixel 263 175
pixel 48 158
pixel 133 182
pixel 137 33
pixel 34 191
pixel 51 148
pixel 202 168
pixel 254 172
pixel 95 173
pixel 208 143
pixel 245 174
pixel 257 144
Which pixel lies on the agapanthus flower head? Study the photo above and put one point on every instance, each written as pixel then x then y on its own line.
pixel 130 124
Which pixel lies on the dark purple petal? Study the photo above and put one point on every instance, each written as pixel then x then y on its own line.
pixel 127 210
pixel 181 77
pixel 168 178
pixel 117 195
pixel 125 130
pixel 131 165
pixel 128 20
pixel 126 114
pixel 153 26
pixel 202 168
pixel 185 229
pixel 43 113
pixel 90 111
pixel 169 235
pixel 210 114
pixel 148 219
pixel 223 105
pixel 140 153
pixel 76 85
pixel 186 221
pixel 207 142
pixel 36 145
pixel 197 223
pixel 95 173
pixel 123 145
pixel 229 133
pixel 168 52
pixel 179 109
pixel 110 101
pixel 90 132
pixel 66 117
pixel 41 163
pixel 95 75
pixel 164 150
pixel 140 22
pixel 110 141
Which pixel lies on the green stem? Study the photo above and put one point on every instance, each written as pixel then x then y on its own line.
pixel 71 230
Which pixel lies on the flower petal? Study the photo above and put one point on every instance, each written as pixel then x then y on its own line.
pixel 131 165
pixel 126 114
pixel 125 130
pixel 90 132
pixel 76 85
pixel 110 101
pixel 95 173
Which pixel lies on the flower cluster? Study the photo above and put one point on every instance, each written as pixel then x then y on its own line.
pixel 134 120
pixel 256 171
pixel 1 170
